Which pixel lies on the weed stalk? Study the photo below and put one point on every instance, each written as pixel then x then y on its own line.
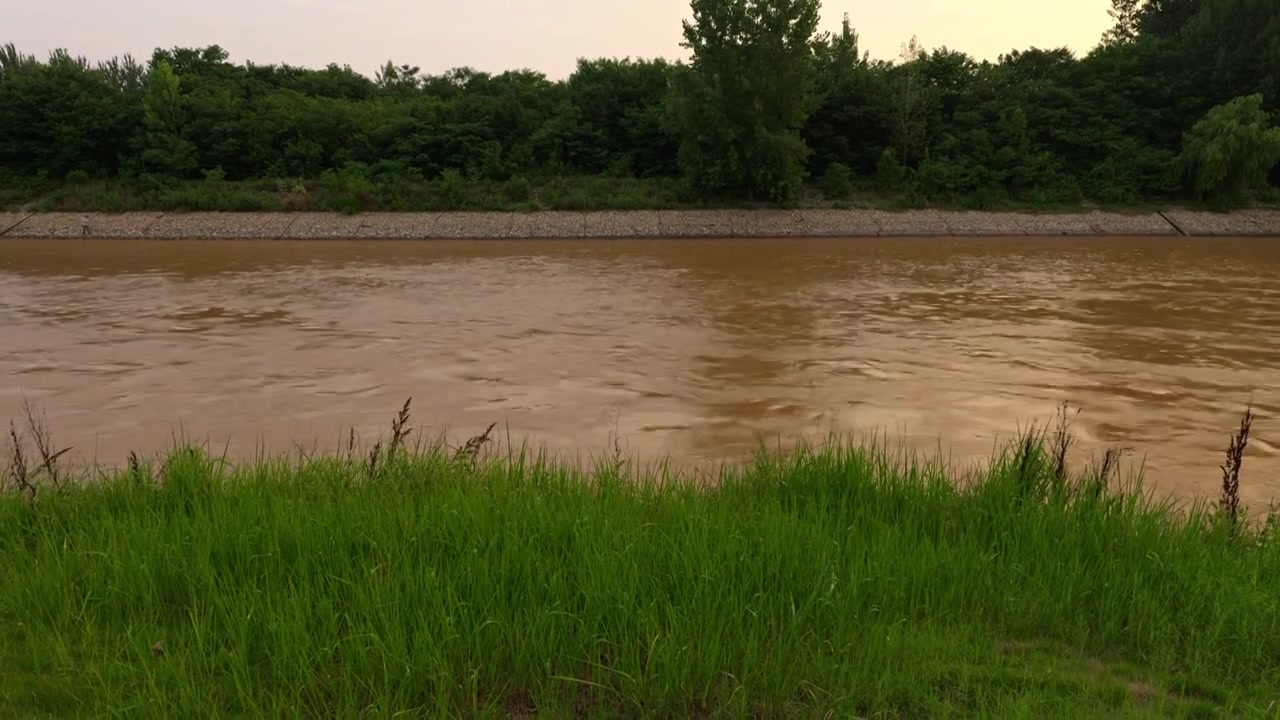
pixel 470 451
pixel 1230 502
pixel 18 470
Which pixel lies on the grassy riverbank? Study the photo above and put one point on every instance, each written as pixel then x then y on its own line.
pixel 846 579
pixel 353 193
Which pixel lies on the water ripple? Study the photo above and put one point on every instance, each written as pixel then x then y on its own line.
pixel 694 349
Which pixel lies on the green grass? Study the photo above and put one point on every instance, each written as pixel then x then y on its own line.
pixel 836 581
pixel 351 192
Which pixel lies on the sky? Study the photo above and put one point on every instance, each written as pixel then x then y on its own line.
pixel 496 35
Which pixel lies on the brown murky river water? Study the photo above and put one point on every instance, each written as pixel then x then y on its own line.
pixel 689 349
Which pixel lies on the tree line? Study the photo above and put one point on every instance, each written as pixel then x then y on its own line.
pixel 1176 101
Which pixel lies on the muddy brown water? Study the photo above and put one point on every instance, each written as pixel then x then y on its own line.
pixel 696 350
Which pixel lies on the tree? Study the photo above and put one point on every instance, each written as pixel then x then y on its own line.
pixel 1231 150
pixel 124 74
pixel 909 108
pixel 1125 14
pixel 1166 18
pixel 13 62
pixel 847 127
pixel 615 118
pixel 1234 45
pixel 763 102
pixel 167 151
pixel 739 107
pixel 59 116
pixel 1149 19
pixel 401 79
pixel 837 55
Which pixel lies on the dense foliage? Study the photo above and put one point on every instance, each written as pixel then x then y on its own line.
pixel 765 108
pixel 741 104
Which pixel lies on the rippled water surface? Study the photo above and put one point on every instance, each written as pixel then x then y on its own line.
pixel 692 349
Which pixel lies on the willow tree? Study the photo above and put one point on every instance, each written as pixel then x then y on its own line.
pixel 1230 151
pixel 740 105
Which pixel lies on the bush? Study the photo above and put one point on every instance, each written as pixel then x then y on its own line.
pixel 889 172
pixel 837 182
pixel 453 188
pixel 348 190
pixel 1130 173
pixel 194 197
pixel 517 190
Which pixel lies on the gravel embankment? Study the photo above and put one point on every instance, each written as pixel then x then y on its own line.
pixel 635 224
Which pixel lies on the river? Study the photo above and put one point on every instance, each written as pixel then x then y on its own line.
pixel 696 350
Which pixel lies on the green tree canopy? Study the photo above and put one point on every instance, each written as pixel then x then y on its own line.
pixel 1231 150
pixel 740 106
pixel 766 108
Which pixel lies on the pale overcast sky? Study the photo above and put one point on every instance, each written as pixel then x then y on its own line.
pixel 495 35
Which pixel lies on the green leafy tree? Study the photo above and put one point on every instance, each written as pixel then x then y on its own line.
pixel 13 62
pixel 398 79
pixel 614 118
pixel 1233 49
pixel 1149 19
pixel 909 104
pixel 848 126
pixel 837 56
pixel 124 74
pixel 764 103
pixel 1231 150
pixel 1125 15
pixel 1167 18
pixel 740 106
pixel 59 116
pixel 167 151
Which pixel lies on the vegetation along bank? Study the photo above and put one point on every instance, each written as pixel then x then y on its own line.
pixel 1175 105
pixel 416 579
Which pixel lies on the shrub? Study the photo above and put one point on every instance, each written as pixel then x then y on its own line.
pixel 889 171
pixel 517 190
pixel 837 182
pixel 453 187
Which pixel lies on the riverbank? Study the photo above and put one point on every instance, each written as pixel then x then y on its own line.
pixel 631 224
pixel 841 581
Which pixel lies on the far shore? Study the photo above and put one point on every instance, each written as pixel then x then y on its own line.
pixel 632 224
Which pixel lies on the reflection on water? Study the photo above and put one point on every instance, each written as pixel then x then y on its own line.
pixel 693 349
